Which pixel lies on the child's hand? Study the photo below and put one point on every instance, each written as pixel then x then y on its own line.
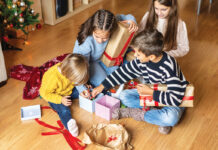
pixel 66 101
pixel 132 25
pixel 97 90
pixel 85 93
pixel 88 86
pixel 144 89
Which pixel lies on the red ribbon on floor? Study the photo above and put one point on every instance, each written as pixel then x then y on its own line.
pixel 119 59
pixel 74 142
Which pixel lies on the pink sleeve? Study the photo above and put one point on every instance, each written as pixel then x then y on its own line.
pixel 182 41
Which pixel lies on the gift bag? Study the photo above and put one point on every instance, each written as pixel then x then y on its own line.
pixel 187 101
pixel 117 46
pixel 108 137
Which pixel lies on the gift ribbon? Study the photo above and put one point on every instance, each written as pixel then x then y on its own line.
pixel 71 140
pixel 119 59
pixel 111 138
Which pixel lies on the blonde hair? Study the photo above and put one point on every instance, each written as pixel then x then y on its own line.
pixel 75 68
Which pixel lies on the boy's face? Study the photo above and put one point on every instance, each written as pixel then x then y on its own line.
pixel 142 57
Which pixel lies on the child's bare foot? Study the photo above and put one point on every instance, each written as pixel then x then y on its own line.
pixel 134 113
pixel 72 127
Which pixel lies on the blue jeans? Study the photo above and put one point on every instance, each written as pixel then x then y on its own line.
pixel 63 111
pixel 166 116
pixel 98 72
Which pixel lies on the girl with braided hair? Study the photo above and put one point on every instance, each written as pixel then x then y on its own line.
pixel 92 40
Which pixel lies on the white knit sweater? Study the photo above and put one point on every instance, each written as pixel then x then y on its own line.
pixel 182 36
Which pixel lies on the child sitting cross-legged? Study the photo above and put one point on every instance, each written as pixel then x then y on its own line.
pixel 58 84
pixel 156 67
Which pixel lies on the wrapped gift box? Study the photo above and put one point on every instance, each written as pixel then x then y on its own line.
pixel 88 104
pixel 105 105
pixel 188 99
pixel 117 46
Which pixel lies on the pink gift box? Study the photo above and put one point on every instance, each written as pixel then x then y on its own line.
pixel 105 105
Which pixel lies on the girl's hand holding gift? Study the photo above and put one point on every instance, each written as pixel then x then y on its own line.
pixel 66 101
pixel 132 25
pixel 144 89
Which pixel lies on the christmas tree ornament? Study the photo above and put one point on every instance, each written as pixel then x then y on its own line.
pixel 32 11
pixel 18 3
pixel 11 25
pixel 22 4
pixel 14 6
pixel 38 26
pixel 21 20
pixel 8 26
pixel 5 38
pixel 15 14
pixel 5 21
pixel 22 8
pixel 9 7
pixel 21 15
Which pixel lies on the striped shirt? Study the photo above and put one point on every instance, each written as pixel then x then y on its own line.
pixel 166 71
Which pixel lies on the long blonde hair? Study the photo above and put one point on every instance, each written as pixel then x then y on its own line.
pixel 75 68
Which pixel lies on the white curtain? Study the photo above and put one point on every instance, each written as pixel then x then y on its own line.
pixel 3 74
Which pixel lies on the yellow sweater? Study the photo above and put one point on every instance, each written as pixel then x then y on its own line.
pixel 54 85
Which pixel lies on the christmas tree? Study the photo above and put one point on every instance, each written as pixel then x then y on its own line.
pixel 15 14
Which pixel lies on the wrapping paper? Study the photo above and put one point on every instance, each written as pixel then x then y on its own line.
pixel 108 137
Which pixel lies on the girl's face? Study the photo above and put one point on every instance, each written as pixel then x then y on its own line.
pixel 161 11
pixel 100 35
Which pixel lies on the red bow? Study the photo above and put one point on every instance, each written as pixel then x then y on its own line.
pixel 74 142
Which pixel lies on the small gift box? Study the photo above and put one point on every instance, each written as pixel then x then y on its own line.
pixel 30 112
pixel 89 104
pixel 105 105
pixel 117 46
pixel 187 101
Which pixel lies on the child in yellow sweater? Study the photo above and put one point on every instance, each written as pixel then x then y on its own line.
pixel 58 84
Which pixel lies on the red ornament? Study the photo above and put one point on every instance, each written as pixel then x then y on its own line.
pixel 38 26
pixel 5 38
pixel 21 15
pixel 11 25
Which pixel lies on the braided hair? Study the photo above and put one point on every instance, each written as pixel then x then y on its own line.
pixel 101 19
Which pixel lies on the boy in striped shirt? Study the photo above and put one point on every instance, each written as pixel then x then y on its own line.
pixel 156 67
